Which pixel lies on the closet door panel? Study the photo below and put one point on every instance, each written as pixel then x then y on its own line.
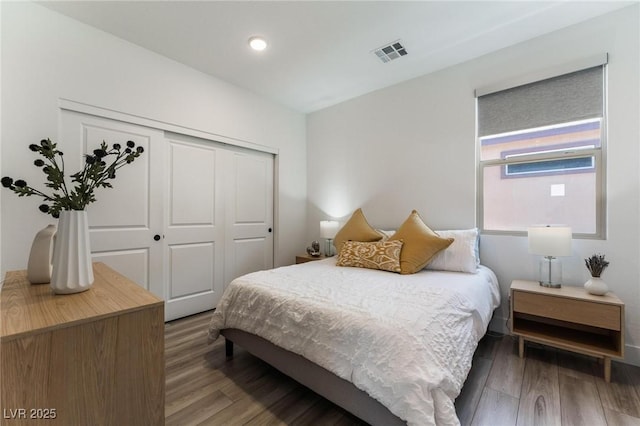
pixel 192 269
pixel 131 187
pixel 249 255
pixel 192 186
pixel 133 264
pixel 193 233
pixel 123 219
pixel 249 218
pixel 251 190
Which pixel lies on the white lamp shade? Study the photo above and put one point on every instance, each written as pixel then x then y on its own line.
pixel 328 228
pixel 550 240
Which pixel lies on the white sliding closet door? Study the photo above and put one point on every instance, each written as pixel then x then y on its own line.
pixel 125 218
pixel 249 214
pixel 194 235
pixel 185 218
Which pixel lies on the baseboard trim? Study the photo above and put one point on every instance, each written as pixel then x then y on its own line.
pixel 632 355
pixel 499 325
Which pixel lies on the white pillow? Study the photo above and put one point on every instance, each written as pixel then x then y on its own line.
pixel 386 233
pixel 461 256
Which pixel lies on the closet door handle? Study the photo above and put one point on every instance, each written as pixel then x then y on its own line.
pixel 269 229
pixel 156 237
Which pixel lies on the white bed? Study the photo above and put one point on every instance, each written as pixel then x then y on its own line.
pixel 405 340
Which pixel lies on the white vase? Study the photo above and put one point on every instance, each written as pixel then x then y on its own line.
pixel 596 286
pixel 41 256
pixel 72 269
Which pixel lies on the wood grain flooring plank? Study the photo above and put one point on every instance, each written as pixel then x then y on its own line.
pixel 182 397
pixel 338 418
pixel 579 402
pixel 622 394
pixel 203 387
pixel 314 415
pixel 508 369
pixel 202 409
pixel 488 346
pixel 468 399
pixel 495 408
pixel 255 400
pixel 540 397
pixel 578 366
pixel 195 382
pixel 287 409
pixel 189 356
pixel 247 381
pixel 212 364
pixel 187 323
pixel 619 419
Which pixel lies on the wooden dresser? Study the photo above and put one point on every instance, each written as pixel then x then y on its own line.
pixel 91 358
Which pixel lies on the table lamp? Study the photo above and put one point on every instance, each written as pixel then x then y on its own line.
pixel 328 230
pixel 550 242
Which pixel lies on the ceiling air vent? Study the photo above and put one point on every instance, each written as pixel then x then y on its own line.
pixel 391 51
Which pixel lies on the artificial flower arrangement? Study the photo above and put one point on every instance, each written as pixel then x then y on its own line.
pixel 596 265
pixel 99 168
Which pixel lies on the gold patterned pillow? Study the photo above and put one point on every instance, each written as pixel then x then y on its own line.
pixel 384 255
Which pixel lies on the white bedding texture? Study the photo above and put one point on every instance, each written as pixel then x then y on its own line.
pixel 406 340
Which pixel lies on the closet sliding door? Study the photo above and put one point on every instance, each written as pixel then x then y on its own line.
pixel 249 213
pixel 183 219
pixel 194 237
pixel 219 220
pixel 124 219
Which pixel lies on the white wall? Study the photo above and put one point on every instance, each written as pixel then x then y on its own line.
pixel 413 146
pixel 47 56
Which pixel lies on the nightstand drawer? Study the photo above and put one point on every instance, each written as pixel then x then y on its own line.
pixel 564 309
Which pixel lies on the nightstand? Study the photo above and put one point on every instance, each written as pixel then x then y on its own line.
pixel 304 258
pixel 568 318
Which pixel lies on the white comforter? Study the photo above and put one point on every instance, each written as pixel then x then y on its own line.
pixel 406 340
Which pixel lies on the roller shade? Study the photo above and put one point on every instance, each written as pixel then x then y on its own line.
pixel 568 97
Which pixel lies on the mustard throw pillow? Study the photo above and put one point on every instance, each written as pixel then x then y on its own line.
pixel 383 255
pixel 356 229
pixel 420 244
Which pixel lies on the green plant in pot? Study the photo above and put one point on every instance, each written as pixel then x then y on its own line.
pixel 72 271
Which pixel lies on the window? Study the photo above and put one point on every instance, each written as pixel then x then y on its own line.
pixel 540 154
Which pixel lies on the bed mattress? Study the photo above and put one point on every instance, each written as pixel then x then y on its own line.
pixel 406 340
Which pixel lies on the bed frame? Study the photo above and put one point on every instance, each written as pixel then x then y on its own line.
pixel 322 381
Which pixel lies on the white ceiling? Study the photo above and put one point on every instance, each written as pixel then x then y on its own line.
pixel 320 52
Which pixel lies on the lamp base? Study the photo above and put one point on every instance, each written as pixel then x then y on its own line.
pixel 328 249
pixel 550 272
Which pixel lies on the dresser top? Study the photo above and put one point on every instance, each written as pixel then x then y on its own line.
pixel 33 308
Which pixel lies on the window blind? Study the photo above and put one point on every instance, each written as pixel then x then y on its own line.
pixel 568 97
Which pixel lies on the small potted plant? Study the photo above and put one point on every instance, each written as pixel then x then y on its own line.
pixel 596 264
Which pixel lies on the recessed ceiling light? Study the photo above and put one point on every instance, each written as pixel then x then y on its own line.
pixel 257 43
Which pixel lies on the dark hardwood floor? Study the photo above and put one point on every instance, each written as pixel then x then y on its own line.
pixel 547 387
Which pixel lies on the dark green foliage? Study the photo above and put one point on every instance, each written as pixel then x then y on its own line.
pixel 98 169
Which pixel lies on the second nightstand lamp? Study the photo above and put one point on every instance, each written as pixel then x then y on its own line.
pixel 328 230
pixel 550 242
